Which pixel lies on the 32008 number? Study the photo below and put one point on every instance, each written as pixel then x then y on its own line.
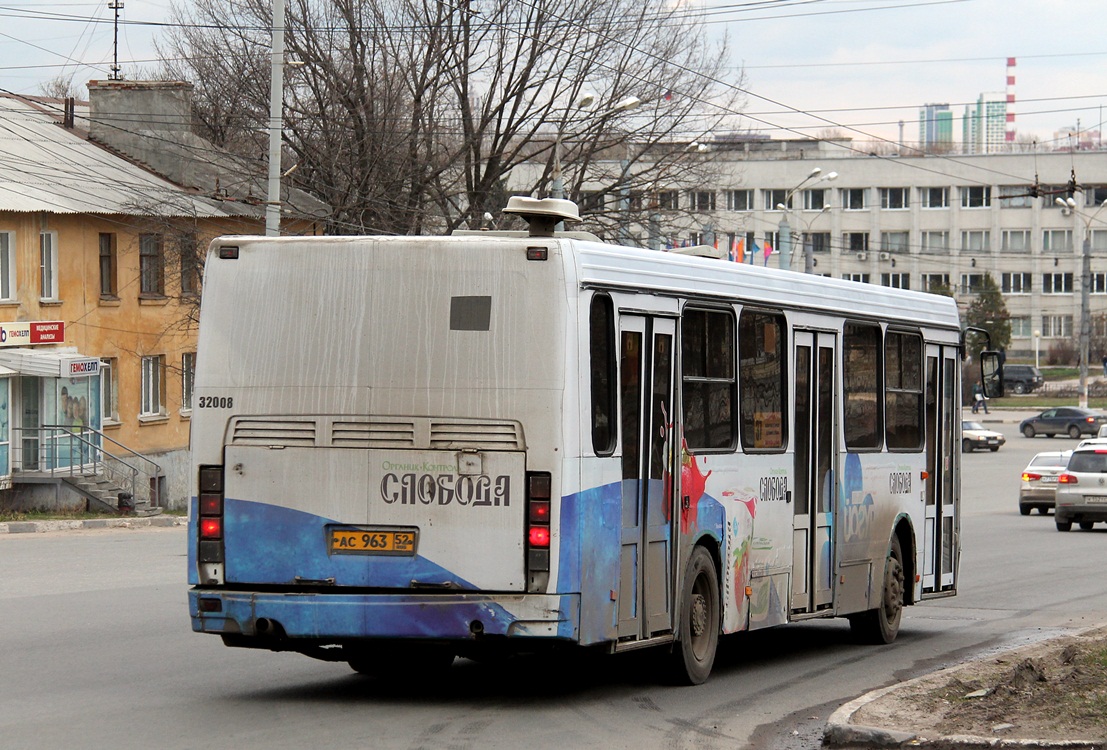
pixel 216 402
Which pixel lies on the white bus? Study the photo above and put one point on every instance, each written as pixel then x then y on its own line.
pixel 411 448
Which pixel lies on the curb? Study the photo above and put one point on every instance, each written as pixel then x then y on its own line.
pixel 840 732
pixel 130 522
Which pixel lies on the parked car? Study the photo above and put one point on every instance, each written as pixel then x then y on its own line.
pixel 1082 490
pixel 974 435
pixel 1073 421
pixel 1039 481
pixel 1021 378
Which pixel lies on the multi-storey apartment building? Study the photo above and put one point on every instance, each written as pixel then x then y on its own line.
pixel 918 222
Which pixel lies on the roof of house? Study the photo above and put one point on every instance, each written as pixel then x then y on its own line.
pixel 46 166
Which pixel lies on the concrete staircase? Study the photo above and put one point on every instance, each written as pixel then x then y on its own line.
pixel 104 495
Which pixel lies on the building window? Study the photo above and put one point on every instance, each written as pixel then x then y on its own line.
pixel 1056 326
pixel 153 388
pixel 976 241
pixel 856 242
pixel 903 390
pixel 763 379
pixel 7 266
pixel 188 375
pixel 590 200
pixel 701 200
pixel 853 199
pixel 861 377
pixel 707 348
pixel 48 265
pixel 1015 196
pixel 976 196
pixel 190 265
pixel 1015 241
pixel 972 283
pixel 668 200
pixel 151 268
pixel 1095 195
pixel 1016 283
pixel 109 390
pixel 107 265
pixel 1056 283
pixel 861 277
pixel 935 197
pixel 935 282
pixel 773 198
pixel 1020 326
pixel 1099 283
pixel 815 200
pixel 896 280
pixel 895 198
pixel 1057 241
pixel 739 200
pixel 934 243
pixel 817 242
pixel 895 242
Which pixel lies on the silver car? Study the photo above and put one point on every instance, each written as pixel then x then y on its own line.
pixel 1039 481
pixel 1082 489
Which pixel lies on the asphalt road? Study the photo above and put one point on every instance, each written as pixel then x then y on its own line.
pixel 96 652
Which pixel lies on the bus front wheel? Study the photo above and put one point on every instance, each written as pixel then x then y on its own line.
pixel 699 621
pixel 881 625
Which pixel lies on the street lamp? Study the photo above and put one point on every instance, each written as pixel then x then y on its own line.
pixel 785 229
pixel 1085 290
pixel 1037 345
pixel 557 184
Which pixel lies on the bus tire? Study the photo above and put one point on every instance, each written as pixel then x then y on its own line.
pixel 881 625
pixel 699 621
pixel 398 662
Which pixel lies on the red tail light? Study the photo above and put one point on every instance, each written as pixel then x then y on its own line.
pixel 1090 420
pixel 1028 477
pixel 538 521
pixel 1068 479
pixel 210 503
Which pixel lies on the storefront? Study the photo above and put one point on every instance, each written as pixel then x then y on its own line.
pixel 49 401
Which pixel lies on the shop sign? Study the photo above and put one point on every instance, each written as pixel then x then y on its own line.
pixel 79 368
pixel 32 332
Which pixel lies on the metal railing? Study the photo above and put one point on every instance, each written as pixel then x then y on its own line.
pixel 75 452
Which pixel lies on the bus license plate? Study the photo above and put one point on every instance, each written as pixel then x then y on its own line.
pixel 374 541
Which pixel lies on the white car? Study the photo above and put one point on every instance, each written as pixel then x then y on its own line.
pixel 974 435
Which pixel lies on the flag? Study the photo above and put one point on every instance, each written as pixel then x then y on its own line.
pixel 768 252
pixel 668 96
pixel 716 242
pixel 739 250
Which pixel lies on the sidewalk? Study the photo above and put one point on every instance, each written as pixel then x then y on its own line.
pixel 123 522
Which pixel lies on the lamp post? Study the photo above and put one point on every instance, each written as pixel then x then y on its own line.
pixel 1037 345
pixel 276 124
pixel 1085 290
pixel 785 229
pixel 557 183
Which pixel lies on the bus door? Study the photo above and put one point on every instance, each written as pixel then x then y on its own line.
pixel 942 456
pixel 816 485
pixel 646 408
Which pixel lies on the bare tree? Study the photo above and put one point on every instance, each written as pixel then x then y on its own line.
pixel 63 87
pixel 412 116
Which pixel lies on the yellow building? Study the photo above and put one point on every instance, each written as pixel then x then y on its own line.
pixel 106 211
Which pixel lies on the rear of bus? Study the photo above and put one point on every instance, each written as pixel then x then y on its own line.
pixel 376 441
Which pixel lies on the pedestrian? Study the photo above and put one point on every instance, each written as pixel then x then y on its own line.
pixel 1105 365
pixel 978 399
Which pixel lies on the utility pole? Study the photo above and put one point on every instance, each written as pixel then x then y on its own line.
pixel 276 123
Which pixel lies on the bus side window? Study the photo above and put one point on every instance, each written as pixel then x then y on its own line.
pixel 903 391
pixel 762 382
pixel 861 372
pixel 601 346
pixel 708 385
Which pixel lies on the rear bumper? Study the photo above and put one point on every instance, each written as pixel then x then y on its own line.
pixel 335 617
pixel 1080 513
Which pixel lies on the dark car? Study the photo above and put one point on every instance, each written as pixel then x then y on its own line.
pixel 1064 420
pixel 1021 378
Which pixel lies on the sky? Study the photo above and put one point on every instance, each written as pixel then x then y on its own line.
pixel 857 66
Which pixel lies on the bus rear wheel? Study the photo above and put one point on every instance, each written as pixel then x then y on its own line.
pixel 694 655
pixel 881 625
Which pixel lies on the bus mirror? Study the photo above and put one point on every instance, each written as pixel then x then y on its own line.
pixel 991 374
